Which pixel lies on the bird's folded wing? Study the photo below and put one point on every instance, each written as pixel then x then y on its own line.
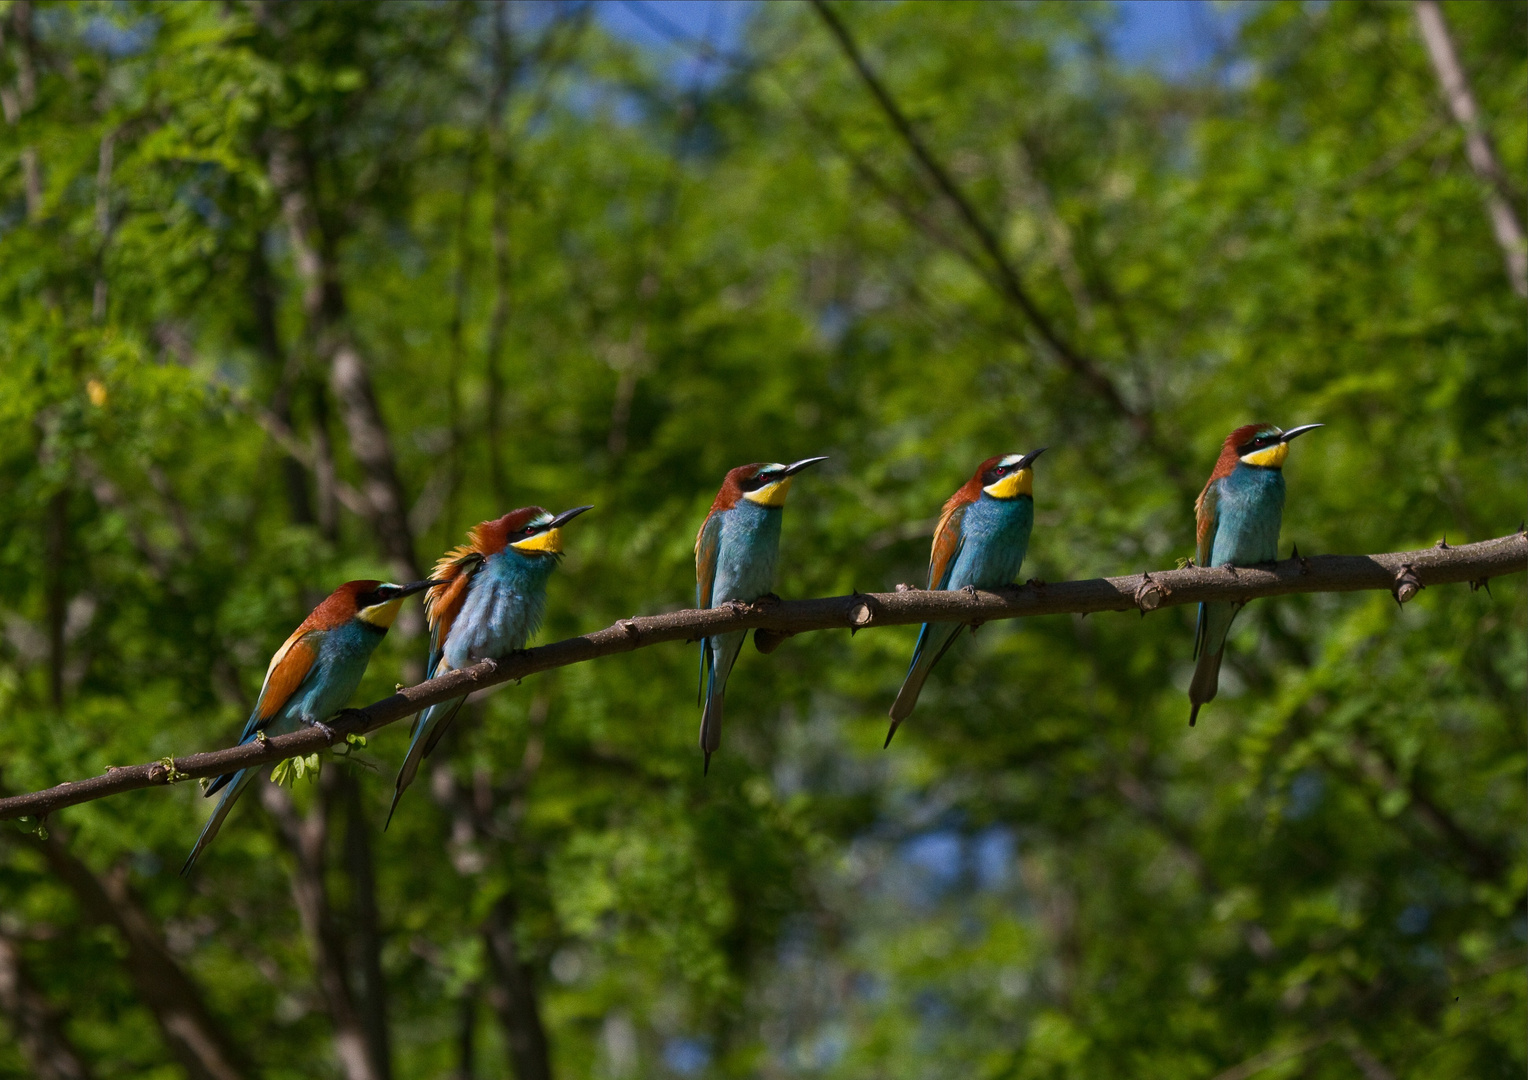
pixel 707 542
pixel 948 538
pixel 1207 511
pixel 289 667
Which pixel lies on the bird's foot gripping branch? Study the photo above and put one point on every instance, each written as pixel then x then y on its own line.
pixel 1400 573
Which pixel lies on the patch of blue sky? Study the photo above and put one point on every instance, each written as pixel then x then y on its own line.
pixel 1181 40
pixel 686 1056
pixel 691 36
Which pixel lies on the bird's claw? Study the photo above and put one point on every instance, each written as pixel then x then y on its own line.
pixel 325 728
pixel 1036 583
pixel 969 590
pixel 768 599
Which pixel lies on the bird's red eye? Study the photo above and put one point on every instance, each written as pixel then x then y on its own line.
pixel 528 529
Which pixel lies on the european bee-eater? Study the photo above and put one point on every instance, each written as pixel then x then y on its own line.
pixel 487 600
pixel 312 676
pixel 1239 513
pixel 735 561
pixel 980 543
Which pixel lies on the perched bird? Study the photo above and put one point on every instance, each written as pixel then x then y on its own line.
pixel 980 543
pixel 312 676
pixel 1239 512
pixel 735 561
pixel 486 601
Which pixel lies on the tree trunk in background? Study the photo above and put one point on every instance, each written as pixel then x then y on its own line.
pixel 513 995
pixel 365 925
pixel 197 1040
pixel 501 174
pixel 34 1023
pixel 307 837
pixel 1477 142
pixel 324 305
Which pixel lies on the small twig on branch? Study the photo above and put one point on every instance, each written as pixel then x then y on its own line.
pixel 858 611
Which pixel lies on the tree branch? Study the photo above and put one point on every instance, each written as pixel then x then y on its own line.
pixel 1477 143
pixel 1402 573
pixel 1011 285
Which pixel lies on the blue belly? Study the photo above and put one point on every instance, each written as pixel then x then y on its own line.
pixel 504 605
pixel 995 538
pixel 1250 508
pixel 746 552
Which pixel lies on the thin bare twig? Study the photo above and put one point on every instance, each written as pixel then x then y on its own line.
pixel 1009 280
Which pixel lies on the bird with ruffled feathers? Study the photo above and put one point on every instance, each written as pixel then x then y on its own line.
pixel 487 601
pixel 1238 514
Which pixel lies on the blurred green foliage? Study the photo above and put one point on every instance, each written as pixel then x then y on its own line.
pixel 575 276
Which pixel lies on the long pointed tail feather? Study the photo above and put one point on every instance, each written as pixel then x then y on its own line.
pixel 722 652
pixel 1210 648
pixel 934 640
pixel 427 732
pixel 234 785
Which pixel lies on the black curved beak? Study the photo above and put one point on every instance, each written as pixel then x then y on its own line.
pixel 1029 459
pixel 805 463
pixel 412 587
pixel 1295 432
pixel 566 516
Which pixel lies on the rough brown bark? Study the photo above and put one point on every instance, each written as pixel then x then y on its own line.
pixel 1505 225
pixel 196 1039
pixel 1401 573
pixel 34 1022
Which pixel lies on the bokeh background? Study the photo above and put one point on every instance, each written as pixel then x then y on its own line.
pixel 296 292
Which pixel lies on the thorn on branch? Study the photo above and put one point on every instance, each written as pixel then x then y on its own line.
pixel 1406 584
pixel 1442 545
pixel 1481 583
pixel 630 629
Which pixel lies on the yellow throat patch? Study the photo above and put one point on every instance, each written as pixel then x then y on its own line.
pixel 770 494
pixel 1013 485
pixel 1272 457
pixel 381 615
pixel 549 542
